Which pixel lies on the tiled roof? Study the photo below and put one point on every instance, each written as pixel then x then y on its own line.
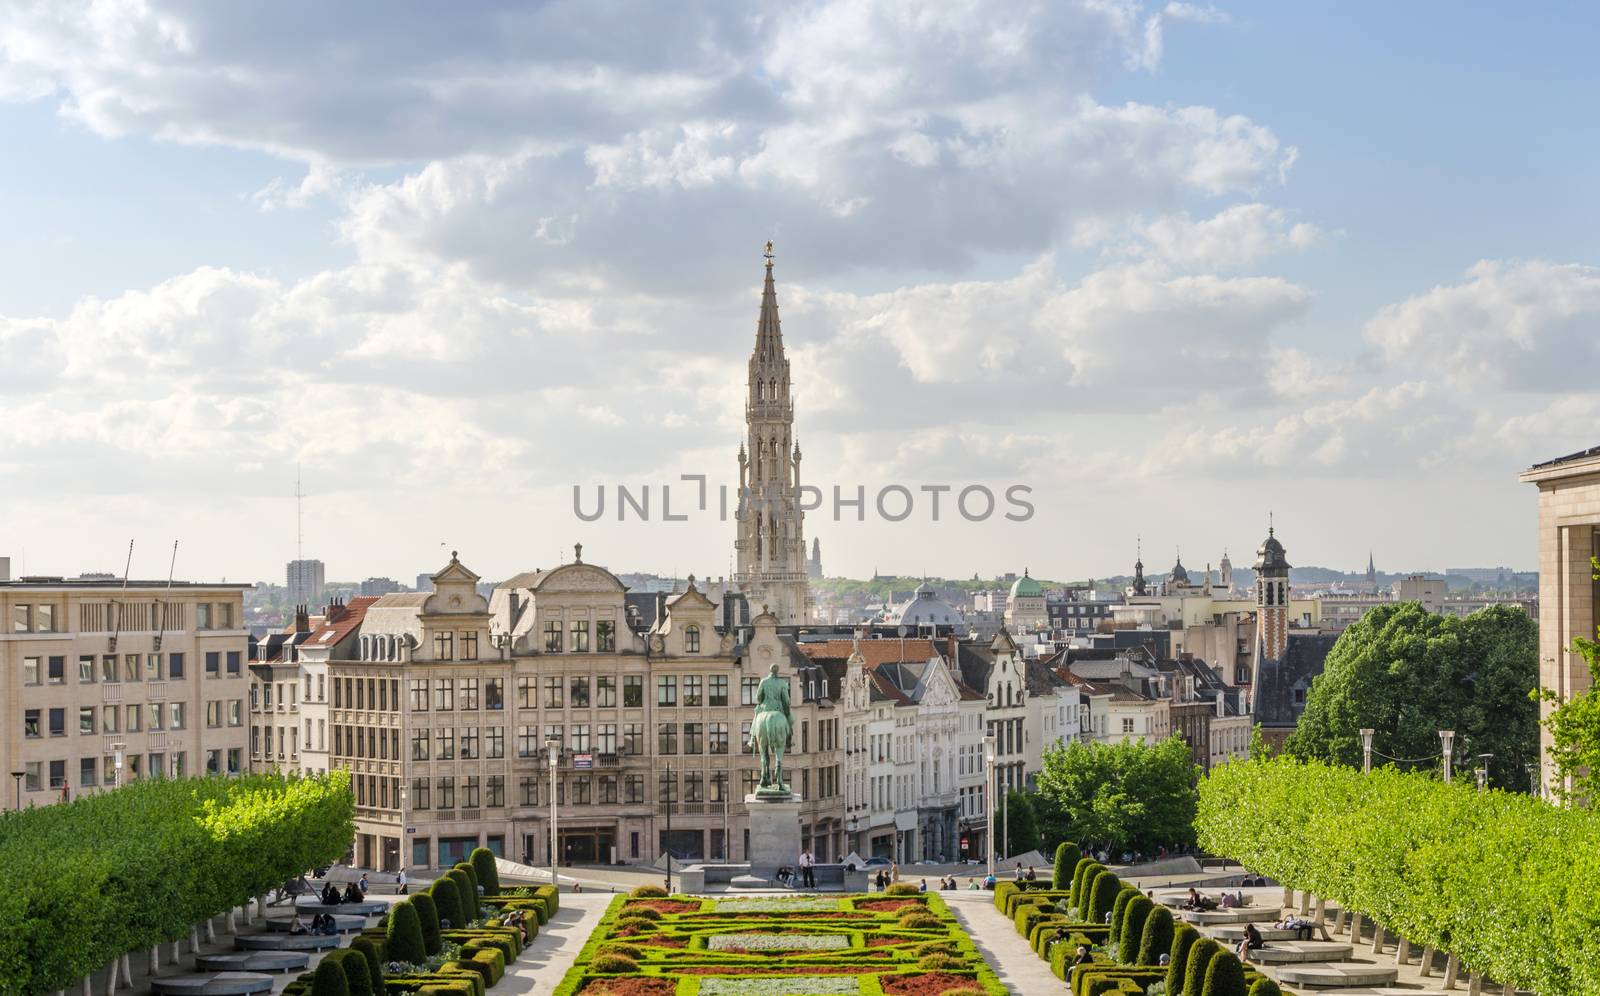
pixel 331 633
pixel 874 652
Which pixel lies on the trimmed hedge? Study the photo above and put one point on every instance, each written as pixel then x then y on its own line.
pixel 1156 940
pixel 1183 938
pixel 1225 976
pixel 1504 881
pixel 330 979
pixel 1134 913
pixel 1264 986
pixel 369 950
pixel 1102 896
pixel 1195 966
pixel 428 917
pixel 1067 857
pixel 487 871
pixel 447 899
pixel 404 941
pixel 466 891
pixel 1083 879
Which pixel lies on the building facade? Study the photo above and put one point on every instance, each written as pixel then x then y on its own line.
pixel 306 581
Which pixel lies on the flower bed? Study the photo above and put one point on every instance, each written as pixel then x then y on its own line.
pixel 759 946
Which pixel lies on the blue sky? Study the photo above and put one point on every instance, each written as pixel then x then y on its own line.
pixel 1318 258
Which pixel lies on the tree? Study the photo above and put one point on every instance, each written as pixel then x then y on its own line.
pixel 1126 796
pixel 1023 833
pixel 1408 673
pixel 1067 857
pixel 1574 726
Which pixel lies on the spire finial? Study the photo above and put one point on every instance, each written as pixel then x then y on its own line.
pixel 1270 527
pixel 577 553
pixel 768 254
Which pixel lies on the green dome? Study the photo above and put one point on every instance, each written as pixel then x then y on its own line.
pixel 1026 587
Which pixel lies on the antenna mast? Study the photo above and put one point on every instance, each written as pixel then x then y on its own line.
pixel 161 624
pixel 116 630
pixel 299 517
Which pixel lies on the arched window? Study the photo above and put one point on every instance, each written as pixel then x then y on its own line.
pixel 691 640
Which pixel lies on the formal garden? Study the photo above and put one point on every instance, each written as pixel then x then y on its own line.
pixel 897 943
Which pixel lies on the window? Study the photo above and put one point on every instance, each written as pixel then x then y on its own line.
pixel 694 786
pixel 580 636
pixel 236 712
pixel 419 746
pixel 444 646
pixel 556 733
pixel 58 772
pixel 719 690
pixel 130 667
pixel 552 636
pixel 494 741
pixel 213 664
pixel 469 645
pixel 202 615
pixel 607 789
pixel 580 692
pixel 633 739
pixel 175 715
pixel 468 693
pixel 552 692
pixel 691 640
pixel 527 740
pixel 693 738
pixel 744 738
pixel 582 790
pixel 605 691
pixel 633 788
pixel 32 770
pixel 110 718
pixel 57 668
pixel 420 795
pixel 444 740
pixel 234 760
pixel 108 668
pixel 469 743
pixel 175 666
pixel 667 690
pixel 86 719
pixel 30 723
pixel 605 738
pixel 719 786
pixel 445 786
pixel 86 669
pixel 21 618
pixel 469 792
pixel 667 738
pixel 495 797
pixel 632 691
pixel 44 619
pixel 233 664
pixel 527 693
pixel 691 689
pixel 443 694
pixel 58 722
pixel 605 636
pixel 530 790
pixel 667 787
pixel 419 694
pixel 494 693
pixel 31 674
pixel 747 690
pixel 717 739
pixel 580 738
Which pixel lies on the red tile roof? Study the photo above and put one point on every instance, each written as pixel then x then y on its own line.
pixel 328 633
pixel 875 652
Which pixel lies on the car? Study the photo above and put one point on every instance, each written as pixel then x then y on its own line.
pixel 877 862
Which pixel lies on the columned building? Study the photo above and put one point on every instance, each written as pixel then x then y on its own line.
pixel 770 551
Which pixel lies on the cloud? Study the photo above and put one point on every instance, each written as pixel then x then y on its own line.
pixel 1519 325
pixel 1236 236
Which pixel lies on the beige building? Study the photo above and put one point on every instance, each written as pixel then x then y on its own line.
pixel 96 670
pixel 1569 596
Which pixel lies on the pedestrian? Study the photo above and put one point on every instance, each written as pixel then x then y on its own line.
pixel 894 871
pixel 808 877
pixel 364 885
pixel 1019 871
pixel 400 882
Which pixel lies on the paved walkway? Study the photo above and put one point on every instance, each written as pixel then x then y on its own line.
pixel 997 939
pixel 542 964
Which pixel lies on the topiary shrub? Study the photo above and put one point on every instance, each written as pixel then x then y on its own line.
pixel 613 964
pixel 1119 904
pixel 488 873
pixel 329 979
pixel 1156 939
pixel 648 892
pixel 447 900
pixel 1102 895
pixel 428 917
pixel 356 974
pixel 1183 937
pixel 467 892
pixel 369 950
pixel 1003 891
pixel 1082 879
pixel 1224 976
pixel 642 911
pixel 1134 914
pixel 1194 970
pixel 625 950
pixel 404 937
pixel 1067 857
pixel 901 889
pixel 1264 986
pixel 919 920
pixel 933 947
pixel 941 962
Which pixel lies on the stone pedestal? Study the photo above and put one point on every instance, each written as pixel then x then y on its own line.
pixel 774 834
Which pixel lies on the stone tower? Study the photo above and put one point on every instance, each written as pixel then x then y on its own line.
pixel 1139 587
pixel 770 551
pixel 1225 574
pixel 814 565
pixel 1272 598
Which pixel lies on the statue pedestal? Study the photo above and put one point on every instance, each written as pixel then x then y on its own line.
pixel 774 835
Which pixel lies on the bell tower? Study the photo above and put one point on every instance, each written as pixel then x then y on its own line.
pixel 1272 598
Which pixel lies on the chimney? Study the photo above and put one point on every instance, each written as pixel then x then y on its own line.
pixel 302 619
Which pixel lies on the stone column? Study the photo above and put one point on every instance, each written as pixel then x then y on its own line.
pixel 1452 969
pixel 1427 961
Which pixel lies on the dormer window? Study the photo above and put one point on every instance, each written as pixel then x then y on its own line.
pixel 691 640
pixel 444 646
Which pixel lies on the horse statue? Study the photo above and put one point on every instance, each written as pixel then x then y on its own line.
pixel 770 731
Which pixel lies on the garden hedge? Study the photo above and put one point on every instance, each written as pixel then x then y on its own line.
pixel 447 899
pixel 1083 878
pixel 488 872
pixel 428 918
pixel 1102 895
pixel 404 941
pixel 330 979
pixel 1504 881
pixel 1157 937
pixel 1224 976
pixel 119 871
pixel 1199 960
pixel 1134 914
pixel 1183 938
pixel 1067 857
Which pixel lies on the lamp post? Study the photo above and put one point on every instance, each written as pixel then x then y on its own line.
pixel 117 749
pixel 667 801
pixel 1483 771
pixel 988 795
pixel 1366 749
pixel 1447 740
pixel 1534 788
pixel 19 775
pixel 552 748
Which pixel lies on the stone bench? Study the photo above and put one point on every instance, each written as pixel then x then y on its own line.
pixel 286 942
pixel 1233 932
pixel 1298 952
pixel 212 984
pixel 369 908
pixel 253 961
pixel 341 924
pixel 1241 914
pixel 1337 975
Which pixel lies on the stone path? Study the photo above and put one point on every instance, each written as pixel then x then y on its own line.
pixel 542 963
pixel 997 939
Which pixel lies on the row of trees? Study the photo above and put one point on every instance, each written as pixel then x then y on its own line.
pixel 84 883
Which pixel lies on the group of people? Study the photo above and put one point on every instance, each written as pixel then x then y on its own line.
pixel 322 923
pixel 355 892
pixel 808 873
pixel 1195 902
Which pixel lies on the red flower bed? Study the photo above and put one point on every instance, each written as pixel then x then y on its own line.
pixel 635 986
pixel 931 984
pixel 776 970
pixel 885 905
pixel 669 942
pixel 662 906
pixel 878 941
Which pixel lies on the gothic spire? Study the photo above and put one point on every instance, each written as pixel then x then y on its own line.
pixel 769 333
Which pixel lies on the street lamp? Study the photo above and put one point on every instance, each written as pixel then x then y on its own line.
pixel 1447 740
pixel 553 749
pixel 19 775
pixel 117 749
pixel 1366 749
pixel 671 791
pixel 1483 771
pixel 1533 779
pixel 988 794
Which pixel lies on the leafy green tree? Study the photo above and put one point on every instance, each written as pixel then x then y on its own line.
pixel 1067 857
pixel 428 917
pixel 1157 938
pixel 1023 833
pixel 404 936
pixel 1574 726
pixel 1408 673
pixel 488 873
pixel 1126 796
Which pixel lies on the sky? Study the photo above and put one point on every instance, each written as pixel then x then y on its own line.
pixel 1170 268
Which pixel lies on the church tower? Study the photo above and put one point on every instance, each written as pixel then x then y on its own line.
pixel 814 565
pixel 1272 599
pixel 1139 587
pixel 770 551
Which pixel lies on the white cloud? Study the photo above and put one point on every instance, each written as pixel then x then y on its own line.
pixel 1236 236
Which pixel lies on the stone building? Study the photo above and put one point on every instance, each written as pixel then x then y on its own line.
pixel 150 673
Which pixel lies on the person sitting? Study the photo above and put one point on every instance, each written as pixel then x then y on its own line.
pixel 1032 875
pixel 1229 902
pixel 517 919
pixel 1017 875
pixel 352 894
pixel 1083 957
pixel 785 876
pixel 1250 941
pixel 922 886
pixel 989 882
pixel 297 925
pixel 330 895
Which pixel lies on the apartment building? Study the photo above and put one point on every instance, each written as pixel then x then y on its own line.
pixel 150 673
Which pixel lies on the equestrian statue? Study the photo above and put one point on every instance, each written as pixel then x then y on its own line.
pixel 770 733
